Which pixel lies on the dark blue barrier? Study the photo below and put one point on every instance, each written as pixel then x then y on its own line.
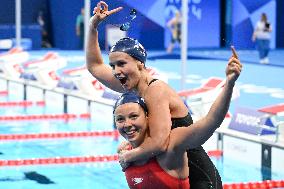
pixel 252 121
pixel 32 32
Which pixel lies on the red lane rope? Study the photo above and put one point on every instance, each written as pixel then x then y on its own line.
pixel 3 93
pixel 267 184
pixel 44 117
pixel 215 153
pixel 57 135
pixel 58 160
pixel 24 103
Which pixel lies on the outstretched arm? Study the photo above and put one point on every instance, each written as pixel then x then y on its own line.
pixel 199 132
pixel 94 59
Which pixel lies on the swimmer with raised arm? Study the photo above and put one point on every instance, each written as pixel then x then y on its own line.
pixel 166 110
pixel 167 170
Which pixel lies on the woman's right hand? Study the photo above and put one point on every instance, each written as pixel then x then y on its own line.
pixel 100 13
pixel 234 67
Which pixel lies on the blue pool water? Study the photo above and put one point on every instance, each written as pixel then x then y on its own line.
pixel 108 175
pixel 91 175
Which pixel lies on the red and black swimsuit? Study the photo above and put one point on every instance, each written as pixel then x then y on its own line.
pixel 202 172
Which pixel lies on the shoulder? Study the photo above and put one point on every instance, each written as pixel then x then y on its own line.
pixel 157 90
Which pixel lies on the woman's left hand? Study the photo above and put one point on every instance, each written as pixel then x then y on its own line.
pixel 122 156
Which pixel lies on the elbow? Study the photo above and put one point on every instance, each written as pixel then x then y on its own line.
pixel 163 147
pixel 89 68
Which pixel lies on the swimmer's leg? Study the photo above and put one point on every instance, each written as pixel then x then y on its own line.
pixel 202 172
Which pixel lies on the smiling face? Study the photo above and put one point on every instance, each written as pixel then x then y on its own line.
pixel 126 69
pixel 131 122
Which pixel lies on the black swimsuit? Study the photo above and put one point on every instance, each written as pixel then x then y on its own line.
pixel 202 173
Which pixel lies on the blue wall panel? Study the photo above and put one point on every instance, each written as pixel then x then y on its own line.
pixel 63 19
pixel 149 26
pixel 32 32
pixel 203 24
pixel 149 32
pixel 246 13
pixel 30 10
pixel 29 13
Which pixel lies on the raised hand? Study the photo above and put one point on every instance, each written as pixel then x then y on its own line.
pixel 234 67
pixel 100 13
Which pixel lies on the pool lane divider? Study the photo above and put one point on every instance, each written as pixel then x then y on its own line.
pixel 267 184
pixel 24 103
pixel 58 135
pixel 59 160
pixel 3 93
pixel 45 117
pixel 115 134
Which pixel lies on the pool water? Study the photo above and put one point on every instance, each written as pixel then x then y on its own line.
pixel 106 175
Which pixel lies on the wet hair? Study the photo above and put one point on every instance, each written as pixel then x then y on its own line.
pixel 131 97
pixel 131 47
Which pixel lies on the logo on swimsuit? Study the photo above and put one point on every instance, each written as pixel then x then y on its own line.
pixel 137 180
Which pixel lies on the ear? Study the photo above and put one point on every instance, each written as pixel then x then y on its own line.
pixel 140 65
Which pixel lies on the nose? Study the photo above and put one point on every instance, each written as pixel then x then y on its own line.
pixel 116 70
pixel 127 123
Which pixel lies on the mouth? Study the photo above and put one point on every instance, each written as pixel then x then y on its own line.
pixel 122 80
pixel 130 134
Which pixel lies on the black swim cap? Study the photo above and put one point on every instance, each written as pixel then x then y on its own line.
pixel 129 97
pixel 132 47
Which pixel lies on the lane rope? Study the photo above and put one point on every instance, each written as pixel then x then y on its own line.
pixel 24 103
pixel 44 117
pixel 58 160
pixel 3 93
pixel 267 184
pixel 58 135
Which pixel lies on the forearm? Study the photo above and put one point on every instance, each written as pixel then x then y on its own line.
pixel 204 128
pixel 93 51
pixel 148 149
pixel 221 105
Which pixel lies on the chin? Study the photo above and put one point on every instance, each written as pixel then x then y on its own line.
pixel 125 87
pixel 134 139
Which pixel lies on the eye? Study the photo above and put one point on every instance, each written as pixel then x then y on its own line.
pixel 120 64
pixel 134 116
pixel 112 66
pixel 119 119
